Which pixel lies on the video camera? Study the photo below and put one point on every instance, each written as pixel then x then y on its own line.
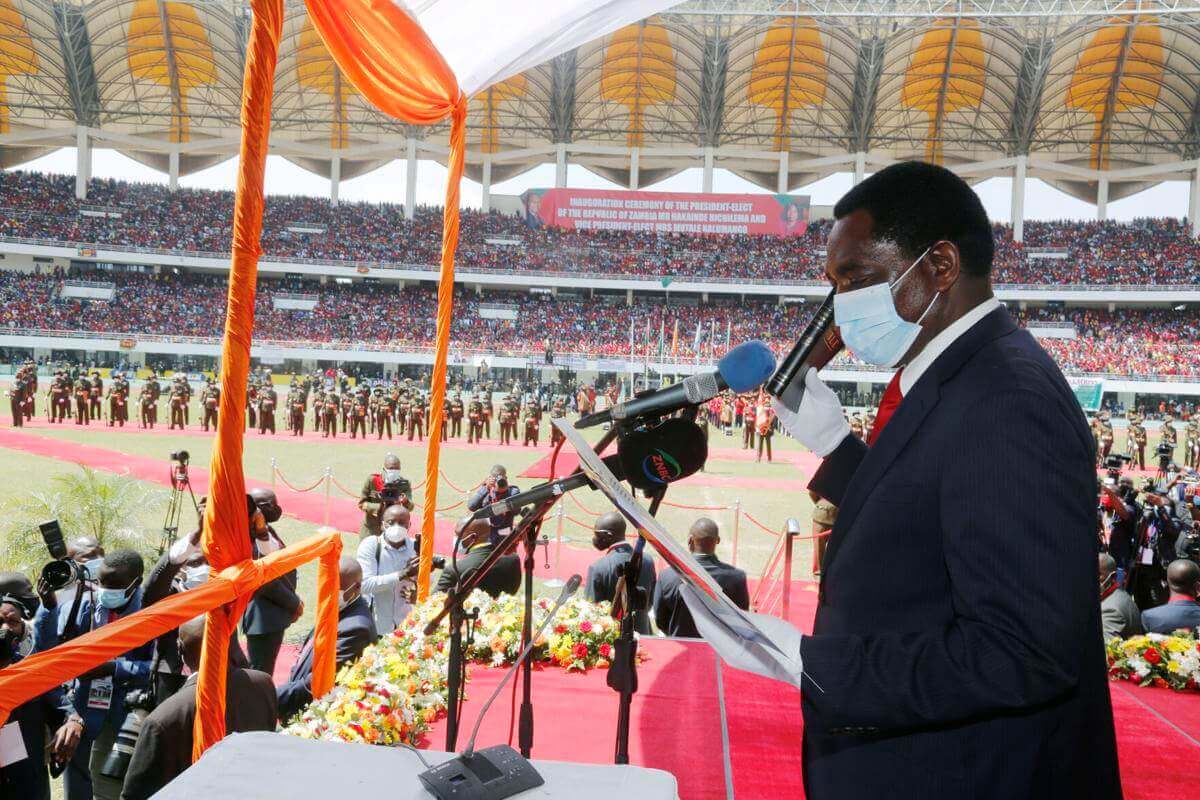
pixel 140 702
pixel 63 570
pixel 1116 462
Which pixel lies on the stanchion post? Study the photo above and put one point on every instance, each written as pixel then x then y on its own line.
pixel 557 581
pixel 274 468
pixel 737 527
pixel 790 532
pixel 328 489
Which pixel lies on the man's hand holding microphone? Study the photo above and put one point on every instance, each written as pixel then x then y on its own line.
pixel 819 423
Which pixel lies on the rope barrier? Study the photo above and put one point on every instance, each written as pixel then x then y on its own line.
pixel 581 506
pixel 448 483
pixel 343 489
pixel 288 484
pixel 748 516
pixel 569 518
pixel 696 508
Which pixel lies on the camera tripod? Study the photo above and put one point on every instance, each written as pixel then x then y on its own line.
pixel 179 482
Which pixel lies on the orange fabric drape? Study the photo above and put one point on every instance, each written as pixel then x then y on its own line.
pixel 226 532
pixel 391 61
pixel 40 673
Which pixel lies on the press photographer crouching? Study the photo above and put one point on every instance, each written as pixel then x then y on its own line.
pixel 380 490
pixel 27 626
pixel 494 489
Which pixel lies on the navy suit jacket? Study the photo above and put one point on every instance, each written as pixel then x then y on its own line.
pixel 355 632
pixel 1171 617
pixel 957 651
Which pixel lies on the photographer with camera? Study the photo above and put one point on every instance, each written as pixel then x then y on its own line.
pixel 1156 536
pixel 1121 513
pixel 27 627
pixel 389 563
pixel 494 489
pixel 380 490
pixel 111 698
pixel 275 606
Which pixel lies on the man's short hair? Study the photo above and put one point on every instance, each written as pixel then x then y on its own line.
pixel 915 204
pixel 127 561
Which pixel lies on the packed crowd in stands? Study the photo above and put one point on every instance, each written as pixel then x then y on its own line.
pixel 1129 341
pixel 122 214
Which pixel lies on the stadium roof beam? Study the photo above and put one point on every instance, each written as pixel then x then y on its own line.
pixel 1031 81
pixel 867 71
pixel 713 75
pixel 562 96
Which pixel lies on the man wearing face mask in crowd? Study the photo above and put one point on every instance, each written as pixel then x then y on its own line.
pixel 27 627
pixel 97 697
pixel 380 490
pixel 388 563
pixel 276 605
pixel 355 631
pixel 963 557
pixel 493 490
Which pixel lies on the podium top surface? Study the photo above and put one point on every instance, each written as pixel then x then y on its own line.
pixel 271 766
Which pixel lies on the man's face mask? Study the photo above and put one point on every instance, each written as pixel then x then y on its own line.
pixel 870 324
pixel 395 534
pixel 348 597
pixel 194 576
pixel 113 599
pixel 92 568
pixel 392 476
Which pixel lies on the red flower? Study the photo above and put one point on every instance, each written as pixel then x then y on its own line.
pixel 1160 683
pixel 581 650
pixel 585 626
pixel 605 650
pixel 382 710
pixel 560 628
pixel 1152 656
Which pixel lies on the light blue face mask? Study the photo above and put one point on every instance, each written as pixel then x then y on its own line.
pixel 870 324
pixel 93 568
pixel 113 599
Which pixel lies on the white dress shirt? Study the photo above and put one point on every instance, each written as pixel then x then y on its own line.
pixel 938 344
pixel 381 583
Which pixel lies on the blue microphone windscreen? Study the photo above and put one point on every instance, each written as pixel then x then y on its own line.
pixel 747 366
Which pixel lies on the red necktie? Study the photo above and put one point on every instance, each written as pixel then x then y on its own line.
pixel 887 406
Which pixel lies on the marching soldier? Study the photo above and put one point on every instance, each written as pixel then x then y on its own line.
pixel 16 397
pixel 1136 441
pixel 1191 443
pixel 385 409
pixel 329 417
pixel 319 409
pixel 31 387
pixel 210 401
pixel 489 411
pixel 445 417
pixel 297 400
pixel 178 403
pixel 267 399
pixel 456 415
pixel 416 417
pixel 83 392
pixel 118 400
pixel 358 413
pixel 764 422
pixel 557 411
pixel 403 408
pixel 474 421
pixel 1169 434
pixel 509 412
pixel 95 395
pixel 532 425
pixel 347 405
pixel 251 402
pixel 147 410
pixel 60 393
pixel 1106 435
pixel 748 422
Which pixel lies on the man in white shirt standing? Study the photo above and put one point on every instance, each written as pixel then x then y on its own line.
pixel 388 564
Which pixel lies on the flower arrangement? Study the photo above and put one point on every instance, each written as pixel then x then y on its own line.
pixel 397 688
pixel 1157 660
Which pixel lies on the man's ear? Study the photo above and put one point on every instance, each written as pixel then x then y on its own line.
pixel 947 264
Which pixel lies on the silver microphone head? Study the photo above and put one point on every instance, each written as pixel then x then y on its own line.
pixel 571 587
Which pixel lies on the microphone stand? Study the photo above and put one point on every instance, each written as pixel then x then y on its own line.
pixel 526 530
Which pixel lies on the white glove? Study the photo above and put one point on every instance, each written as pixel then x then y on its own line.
pixel 182 550
pixel 819 424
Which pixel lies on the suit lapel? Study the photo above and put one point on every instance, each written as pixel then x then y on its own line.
pixel 907 420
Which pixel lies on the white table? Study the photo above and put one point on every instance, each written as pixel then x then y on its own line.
pixel 271 766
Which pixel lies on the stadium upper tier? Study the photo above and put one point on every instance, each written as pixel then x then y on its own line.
pixel 131 215
pixel 1131 342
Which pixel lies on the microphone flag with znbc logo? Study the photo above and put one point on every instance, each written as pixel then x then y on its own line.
pixel 651 458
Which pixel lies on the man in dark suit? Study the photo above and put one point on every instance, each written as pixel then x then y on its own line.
pixel 1119 615
pixel 164 748
pixel 276 605
pixel 356 630
pixel 671 613
pixel 474 544
pixel 956 648
pixel 1182 609
pixel 604 575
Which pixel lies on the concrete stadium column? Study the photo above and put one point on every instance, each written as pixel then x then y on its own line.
pixel 173 170
pixel 1102 200
pixel 1194 202
pixel 706 185
pixel 335 179
pixel 860 167
pixel 83 162
pixel 629 297
pixel 410 180
pixel 485 181
pixel 781 184
pixel 1018 199
pixel 634 157
pixel 560 165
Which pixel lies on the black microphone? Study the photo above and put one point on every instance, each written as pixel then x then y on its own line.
pixel 743 368
pixel 815 348
pixel 499 771
pixel 648 459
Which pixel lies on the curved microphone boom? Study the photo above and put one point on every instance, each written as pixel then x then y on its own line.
pixel 815 348
pixel 743 368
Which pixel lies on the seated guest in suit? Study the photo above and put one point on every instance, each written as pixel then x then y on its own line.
pixel 355 631
pixel 1182 609
pixel 164 748
pixel 276 605
pixel 608 536
pixel 1118 612
pixel 474 547
pixel 671 614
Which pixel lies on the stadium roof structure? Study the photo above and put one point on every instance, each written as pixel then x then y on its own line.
pixel 1100 98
